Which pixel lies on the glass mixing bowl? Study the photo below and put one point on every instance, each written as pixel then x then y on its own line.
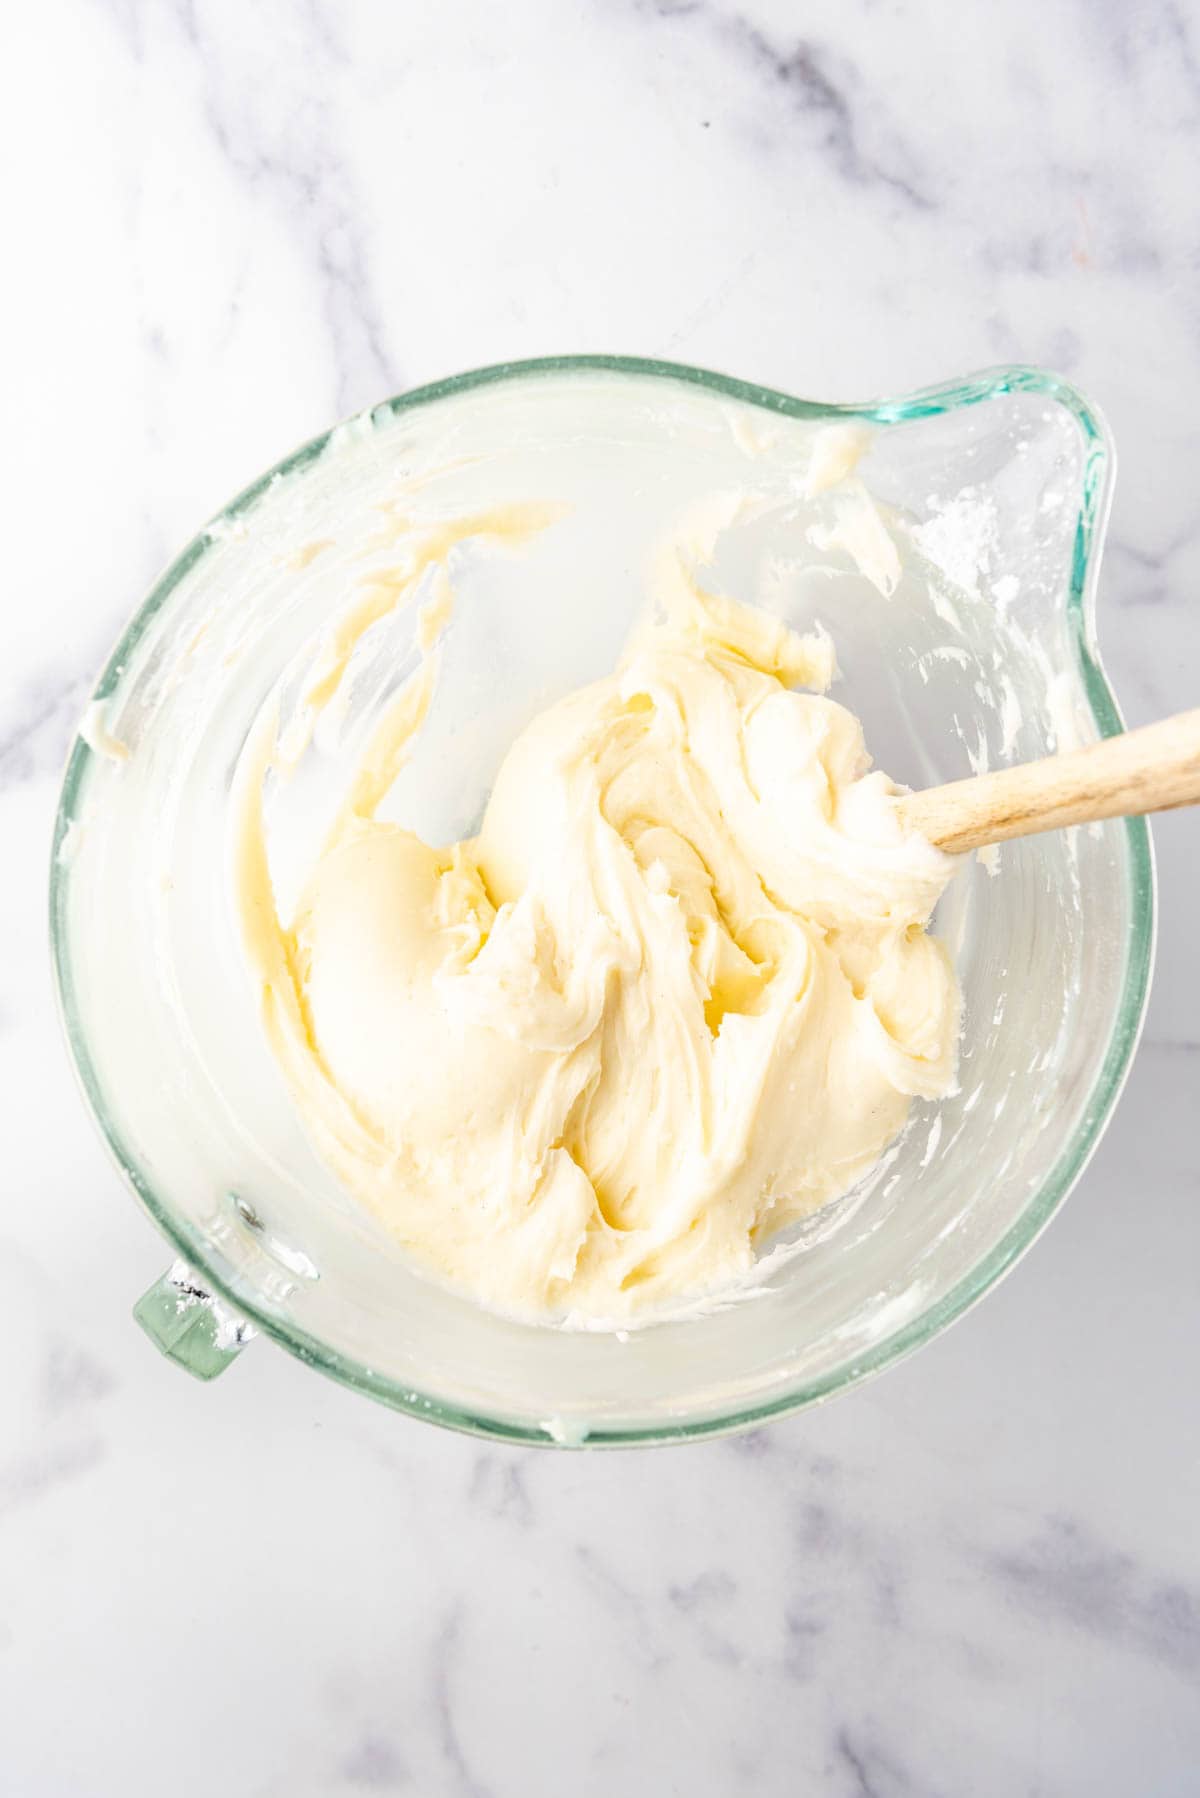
pixel 995 489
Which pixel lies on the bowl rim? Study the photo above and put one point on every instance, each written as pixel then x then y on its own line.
pixel 927 402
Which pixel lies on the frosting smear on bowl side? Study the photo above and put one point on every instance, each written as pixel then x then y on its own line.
pixel 675 995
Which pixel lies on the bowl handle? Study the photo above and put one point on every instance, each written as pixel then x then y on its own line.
pixel 183 1319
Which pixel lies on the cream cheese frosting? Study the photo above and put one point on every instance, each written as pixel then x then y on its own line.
pixel 676 994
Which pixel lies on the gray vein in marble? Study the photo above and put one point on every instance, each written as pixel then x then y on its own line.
pixel 1065 1575
pixel 871 1772
pixel 71 1377
pixel 323 21
pixel 887 1607
pixel 498 1487
pixel 38 729
pixel 818 1529
pixel 802 69
pixel 705 1602
pixel 819 88
pixel 1141 34
pixel 443 1658
pixel 1138 578
pixel 851 1758
pixel 753 1445
pixel 1140 574
pixel 621 1599
pixel 840 98
pixel 804 1630
pixel 185 11
pixel 35 1475
pixel 375 1764
pixel 301 177
pixel 129 18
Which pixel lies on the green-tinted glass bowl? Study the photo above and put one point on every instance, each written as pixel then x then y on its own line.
pixel 1055 946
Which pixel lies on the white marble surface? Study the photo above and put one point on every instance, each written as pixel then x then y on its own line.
pixel 232 223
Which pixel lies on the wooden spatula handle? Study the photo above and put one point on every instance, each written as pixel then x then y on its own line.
pixel 1149 770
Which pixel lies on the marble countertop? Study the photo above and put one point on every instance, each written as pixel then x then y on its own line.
pixel 977 1575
